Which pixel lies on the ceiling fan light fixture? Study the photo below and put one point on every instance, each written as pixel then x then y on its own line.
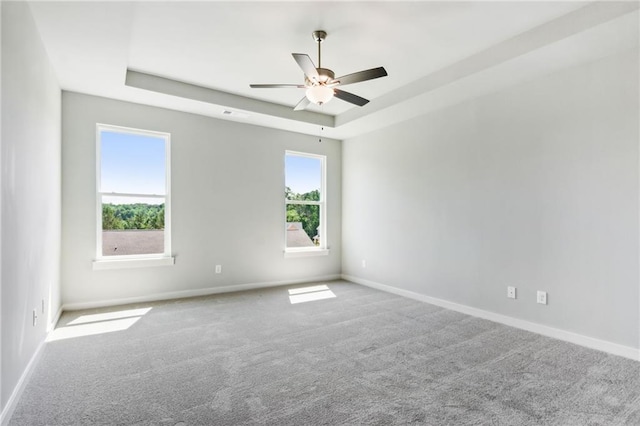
pixel 319 94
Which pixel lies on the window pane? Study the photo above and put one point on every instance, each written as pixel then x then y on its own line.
pixel 302 225
pixel 132 163
pixel 132 225
pixel 303 177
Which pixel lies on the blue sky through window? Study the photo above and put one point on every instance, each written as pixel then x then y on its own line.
pixel 302 174
pixel 132 163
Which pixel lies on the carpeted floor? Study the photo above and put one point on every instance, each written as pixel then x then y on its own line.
pixel 361 357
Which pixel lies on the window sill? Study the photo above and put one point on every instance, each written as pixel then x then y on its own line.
pixel 102 264
pixel 306 253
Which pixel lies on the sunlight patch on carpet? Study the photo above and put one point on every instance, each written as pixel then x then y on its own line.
pixel 93 324
pixel 110 316
pixel 310 294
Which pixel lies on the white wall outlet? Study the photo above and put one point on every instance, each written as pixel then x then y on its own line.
pixel 42 306
pixel 218 269
pixel 542 297
pixel 364 263
pixel 511 292
pixel 35 317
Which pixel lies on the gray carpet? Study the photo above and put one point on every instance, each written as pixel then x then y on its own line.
pixel 362 357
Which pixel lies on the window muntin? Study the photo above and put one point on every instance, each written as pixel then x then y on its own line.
pixel 133 197
pixel 305 219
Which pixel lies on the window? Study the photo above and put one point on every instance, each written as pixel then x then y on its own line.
pixel 133 199
pixel 305 218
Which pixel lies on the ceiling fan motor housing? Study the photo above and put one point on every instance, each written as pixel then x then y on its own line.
pixel 325 76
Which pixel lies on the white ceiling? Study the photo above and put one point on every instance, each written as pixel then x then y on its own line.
pixel 436 53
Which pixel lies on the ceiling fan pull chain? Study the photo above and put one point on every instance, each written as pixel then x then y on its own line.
pixel 321 126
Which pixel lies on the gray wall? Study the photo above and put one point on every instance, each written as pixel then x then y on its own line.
pixel 535 186
pixel 30 185
pixel 227 183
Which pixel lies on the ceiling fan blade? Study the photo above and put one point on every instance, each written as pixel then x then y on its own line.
pixel 272 86
pixel 359 76
pixel 304 102
pixel 350 97
pixel 305 62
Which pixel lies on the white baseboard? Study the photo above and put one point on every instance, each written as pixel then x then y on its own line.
pixel 556 333
pixel 12 402
pixel 54 321
pixel 191 293
pixel 5 415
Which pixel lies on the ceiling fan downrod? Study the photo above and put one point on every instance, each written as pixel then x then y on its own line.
pixel 319 37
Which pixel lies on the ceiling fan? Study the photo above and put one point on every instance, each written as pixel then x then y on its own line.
pixel 320 83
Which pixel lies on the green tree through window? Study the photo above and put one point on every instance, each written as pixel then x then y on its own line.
pixel 304 199
pixel 133 192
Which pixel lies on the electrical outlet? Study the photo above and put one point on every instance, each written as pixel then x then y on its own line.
pixel 542 297
pixel 511 292
pixel 218 269
pixel 35 317
pixel 364 263
pixel 42 306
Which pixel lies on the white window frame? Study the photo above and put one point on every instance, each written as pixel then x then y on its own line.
pixel 133 260
pixel 323 248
